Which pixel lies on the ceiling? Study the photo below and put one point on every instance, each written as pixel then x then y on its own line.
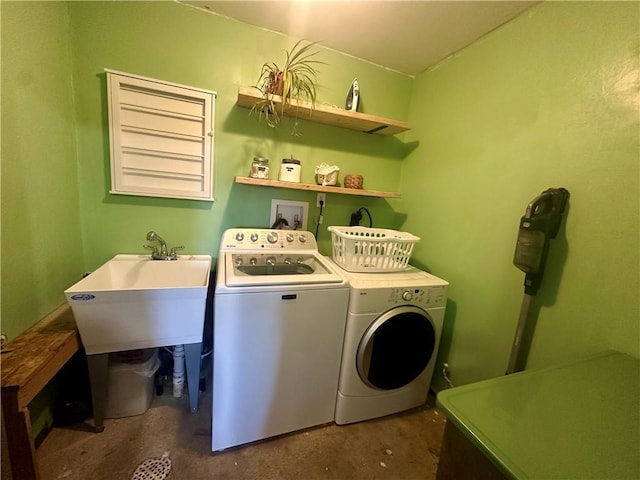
pixel 406 36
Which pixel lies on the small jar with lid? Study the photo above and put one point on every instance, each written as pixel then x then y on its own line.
pixel 260 168
pixel 290 170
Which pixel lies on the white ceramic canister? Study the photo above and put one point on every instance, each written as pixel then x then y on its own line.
pixel 290 170
pixel 260 168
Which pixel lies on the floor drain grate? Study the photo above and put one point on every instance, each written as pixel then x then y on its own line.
pixel 153 468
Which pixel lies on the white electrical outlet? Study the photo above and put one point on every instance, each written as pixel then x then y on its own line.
pixel 321 198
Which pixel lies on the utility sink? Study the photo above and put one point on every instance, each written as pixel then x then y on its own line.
pixel 134 302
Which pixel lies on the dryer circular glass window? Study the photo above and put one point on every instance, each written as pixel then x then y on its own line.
pixel 396 348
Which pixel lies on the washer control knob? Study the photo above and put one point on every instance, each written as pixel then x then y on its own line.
pixel 272 237
pixel 239 236
pixel 303 238
pixel 253 260
pixel 254 237
pixel 290 238
pixel 407 295
pixel 271 261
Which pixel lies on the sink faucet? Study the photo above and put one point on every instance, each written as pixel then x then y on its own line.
pixel 163 254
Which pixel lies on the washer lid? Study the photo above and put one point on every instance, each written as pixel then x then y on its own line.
pixel 283 268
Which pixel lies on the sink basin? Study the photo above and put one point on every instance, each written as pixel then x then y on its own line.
pixel 134 302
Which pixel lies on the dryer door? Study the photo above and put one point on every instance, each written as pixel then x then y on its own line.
pixel 396 348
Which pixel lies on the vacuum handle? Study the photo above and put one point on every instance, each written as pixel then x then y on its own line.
pixel 545 211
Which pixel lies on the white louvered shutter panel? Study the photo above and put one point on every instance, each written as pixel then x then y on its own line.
pixel 161 138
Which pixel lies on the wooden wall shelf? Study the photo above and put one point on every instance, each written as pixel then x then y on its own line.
pixel 316 188
pixel 248 96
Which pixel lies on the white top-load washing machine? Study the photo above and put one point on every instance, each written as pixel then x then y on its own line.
pixel 391 342
pixel 279 319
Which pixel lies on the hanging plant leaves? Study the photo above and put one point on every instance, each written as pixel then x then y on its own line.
pixel 296 80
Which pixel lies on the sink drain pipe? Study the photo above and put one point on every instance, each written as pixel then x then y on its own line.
pixel 178 370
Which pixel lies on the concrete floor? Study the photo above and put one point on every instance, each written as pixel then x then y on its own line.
pixel 402 446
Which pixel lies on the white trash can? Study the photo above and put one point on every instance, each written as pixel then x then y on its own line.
pixel 131 381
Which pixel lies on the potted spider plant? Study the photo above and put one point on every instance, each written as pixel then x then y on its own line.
pixel 295 80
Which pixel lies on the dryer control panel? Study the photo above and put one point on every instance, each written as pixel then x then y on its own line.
pixel 373 300
pixel 425 296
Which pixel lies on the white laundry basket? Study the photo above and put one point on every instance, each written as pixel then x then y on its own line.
pixel 130 387
pixel 361 249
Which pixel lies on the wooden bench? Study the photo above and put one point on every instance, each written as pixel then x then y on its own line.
pixel 28 363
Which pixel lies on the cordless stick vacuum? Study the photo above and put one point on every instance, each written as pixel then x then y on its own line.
pixel 540 224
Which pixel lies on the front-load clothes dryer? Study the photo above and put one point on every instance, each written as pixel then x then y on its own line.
pixel 393 329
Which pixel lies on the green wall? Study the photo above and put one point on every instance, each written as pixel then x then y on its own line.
pixel 549 99
pixel 185 45
pixel 41 241
pixel 55 156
